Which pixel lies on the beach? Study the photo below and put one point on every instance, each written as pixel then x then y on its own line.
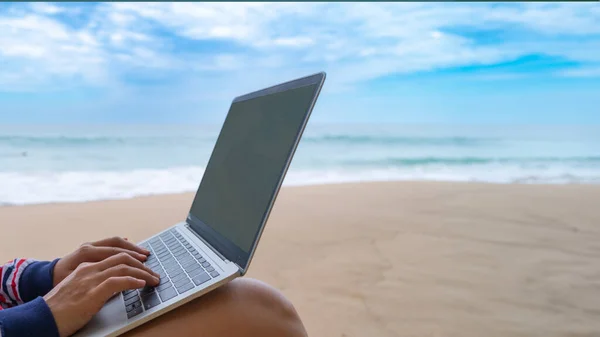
pixel 388 258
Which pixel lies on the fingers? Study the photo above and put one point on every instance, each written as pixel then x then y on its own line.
pixel 113 285
pixel 126 270
pixel 90 253
pixel 120 243
pixel 125 259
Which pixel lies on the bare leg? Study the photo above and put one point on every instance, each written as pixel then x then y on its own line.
pixel 242 308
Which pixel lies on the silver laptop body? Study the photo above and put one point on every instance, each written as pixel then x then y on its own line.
pixel 216 242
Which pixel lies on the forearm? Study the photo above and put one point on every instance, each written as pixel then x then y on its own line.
pixel 32 319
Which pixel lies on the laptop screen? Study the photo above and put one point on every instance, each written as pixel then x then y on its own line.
pixel 245 169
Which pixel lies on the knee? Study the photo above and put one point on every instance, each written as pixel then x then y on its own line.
pixel 242 308
pixel 266 308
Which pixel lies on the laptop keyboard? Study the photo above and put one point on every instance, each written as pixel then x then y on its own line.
pixel 180 266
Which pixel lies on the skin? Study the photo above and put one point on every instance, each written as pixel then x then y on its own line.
pixel 85 279
pixel 96 252
pixel 242 308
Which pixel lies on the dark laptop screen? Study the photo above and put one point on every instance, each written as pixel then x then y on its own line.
pixel 245 168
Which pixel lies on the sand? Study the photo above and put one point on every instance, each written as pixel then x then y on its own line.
pixel 389 259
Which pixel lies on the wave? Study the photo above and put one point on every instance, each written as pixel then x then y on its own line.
pixel 96 141
pixel 42 187
pixel 450 161
pixel 399 140
pixel 53 140
pixel 20 188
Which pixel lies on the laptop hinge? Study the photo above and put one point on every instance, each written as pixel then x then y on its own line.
pixel 189 228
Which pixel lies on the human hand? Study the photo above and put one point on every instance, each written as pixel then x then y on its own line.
pixel 76 299
pixel 95 252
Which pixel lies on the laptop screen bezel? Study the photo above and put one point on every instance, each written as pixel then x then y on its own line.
pixel 218 242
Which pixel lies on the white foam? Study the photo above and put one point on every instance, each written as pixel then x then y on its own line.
pixel 33 188
pixel 45 187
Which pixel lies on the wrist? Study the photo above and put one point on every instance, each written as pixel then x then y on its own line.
pixel 57 274
pixel 55 308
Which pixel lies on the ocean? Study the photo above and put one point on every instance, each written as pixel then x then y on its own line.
pixel 42 164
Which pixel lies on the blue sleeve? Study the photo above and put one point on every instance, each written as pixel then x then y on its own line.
pixel 37 280
pixel 32 319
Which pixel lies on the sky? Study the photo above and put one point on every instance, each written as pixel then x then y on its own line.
pixel 153 63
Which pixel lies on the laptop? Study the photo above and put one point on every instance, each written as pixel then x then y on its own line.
pixel 218 238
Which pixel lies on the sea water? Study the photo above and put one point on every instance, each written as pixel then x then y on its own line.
pixel 40 164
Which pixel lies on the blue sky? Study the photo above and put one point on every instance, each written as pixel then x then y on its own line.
pixel 528 63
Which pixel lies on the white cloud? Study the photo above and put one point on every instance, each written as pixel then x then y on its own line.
pixel 354 42
pixel 38 50
pixel 593 71
pixel 298 41
pixel 46 8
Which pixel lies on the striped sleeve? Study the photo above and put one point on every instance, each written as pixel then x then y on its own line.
pixel 10 285
pixel 23 311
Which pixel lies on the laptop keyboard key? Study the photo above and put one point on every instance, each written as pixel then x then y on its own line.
pixel 188 263
pixel 167 294
pixel 195 272
pixel 130 295
pixel 192 267
pixel 132 300
pixel 185 287
pixel 135 312
pixel 201 278
pixel 150 301
pixel 133 306
pixel 146 290
pixel 180 254
pixel 181 282
pixel 172 267
pixel 164 286
pixel 175 272
pixel 178 278
pixel 176 261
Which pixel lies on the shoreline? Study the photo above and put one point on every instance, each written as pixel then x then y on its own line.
pixel 297 186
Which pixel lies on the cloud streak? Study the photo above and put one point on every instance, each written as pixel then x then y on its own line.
pixel 355 42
